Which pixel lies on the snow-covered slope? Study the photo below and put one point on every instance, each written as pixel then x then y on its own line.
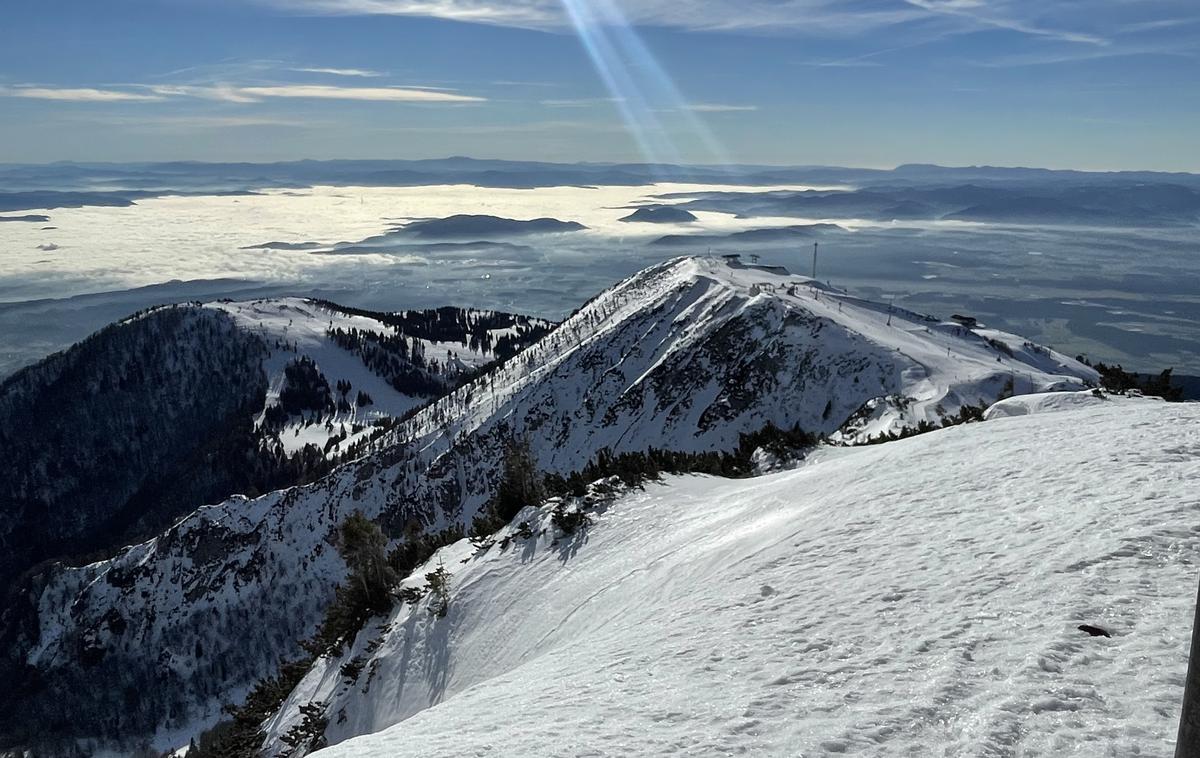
pixel 689 356
pixel 183 405
pixel 915 598
pixel 1053 402
pixel 170 409
pixel 297 329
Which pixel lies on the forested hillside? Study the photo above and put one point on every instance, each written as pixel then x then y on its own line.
pixel 119 434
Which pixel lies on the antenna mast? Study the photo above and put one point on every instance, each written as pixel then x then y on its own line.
pixel 814 276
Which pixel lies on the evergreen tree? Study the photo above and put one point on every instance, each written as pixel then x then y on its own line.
pixel 364 548
pixel 521 484
pixel 439 587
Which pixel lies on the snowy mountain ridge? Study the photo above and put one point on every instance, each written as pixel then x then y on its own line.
pixel 181 405
pixel 795 341
pixel 283 387
pixel 690 355
pixel 915 598
pixel 304 329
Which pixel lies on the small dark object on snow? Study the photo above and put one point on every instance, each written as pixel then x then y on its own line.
pixel 1095 631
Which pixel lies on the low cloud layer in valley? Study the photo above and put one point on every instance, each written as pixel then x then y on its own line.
pixel 1116 291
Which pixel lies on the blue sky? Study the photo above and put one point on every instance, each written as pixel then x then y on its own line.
pixel 1095 84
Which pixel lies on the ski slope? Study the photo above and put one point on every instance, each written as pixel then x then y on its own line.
pixel 295 327
pixel 916 598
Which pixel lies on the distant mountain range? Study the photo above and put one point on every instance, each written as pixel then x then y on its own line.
pixel 1113 203
pixel 458 231
pixel 62 185
pixel 750 236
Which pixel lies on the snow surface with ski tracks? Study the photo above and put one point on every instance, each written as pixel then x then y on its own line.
pixel 916 598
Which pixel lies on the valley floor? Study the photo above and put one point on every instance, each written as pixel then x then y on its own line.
pixel 917 598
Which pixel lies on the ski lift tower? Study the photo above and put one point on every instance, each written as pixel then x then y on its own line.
pixel 814 273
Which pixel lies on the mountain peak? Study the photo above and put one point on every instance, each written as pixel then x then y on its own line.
pixel 695 355
pixel 936 366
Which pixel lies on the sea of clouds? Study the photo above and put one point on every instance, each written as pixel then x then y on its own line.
pixel 1120 295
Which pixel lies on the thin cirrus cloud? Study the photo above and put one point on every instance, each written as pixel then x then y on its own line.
pixel 361 73
pixel 221 92
pixel 1013 17
pixel 241 94
pixel 1034 18
pixel 78 94
pixel 1156 25
pixel 328 92
pixel 816 15
pixel 1090 54
pixel 720 108
pixel 583 102
pixel 694 107
pixel 535 14
pixel 1079 24
pixel 192 122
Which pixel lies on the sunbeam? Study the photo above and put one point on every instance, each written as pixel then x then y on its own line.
pixel 641 88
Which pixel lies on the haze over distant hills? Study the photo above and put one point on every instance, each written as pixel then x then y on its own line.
pixel 72 184
pixel 793 233
pixel 1102 200
pixel 477 225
